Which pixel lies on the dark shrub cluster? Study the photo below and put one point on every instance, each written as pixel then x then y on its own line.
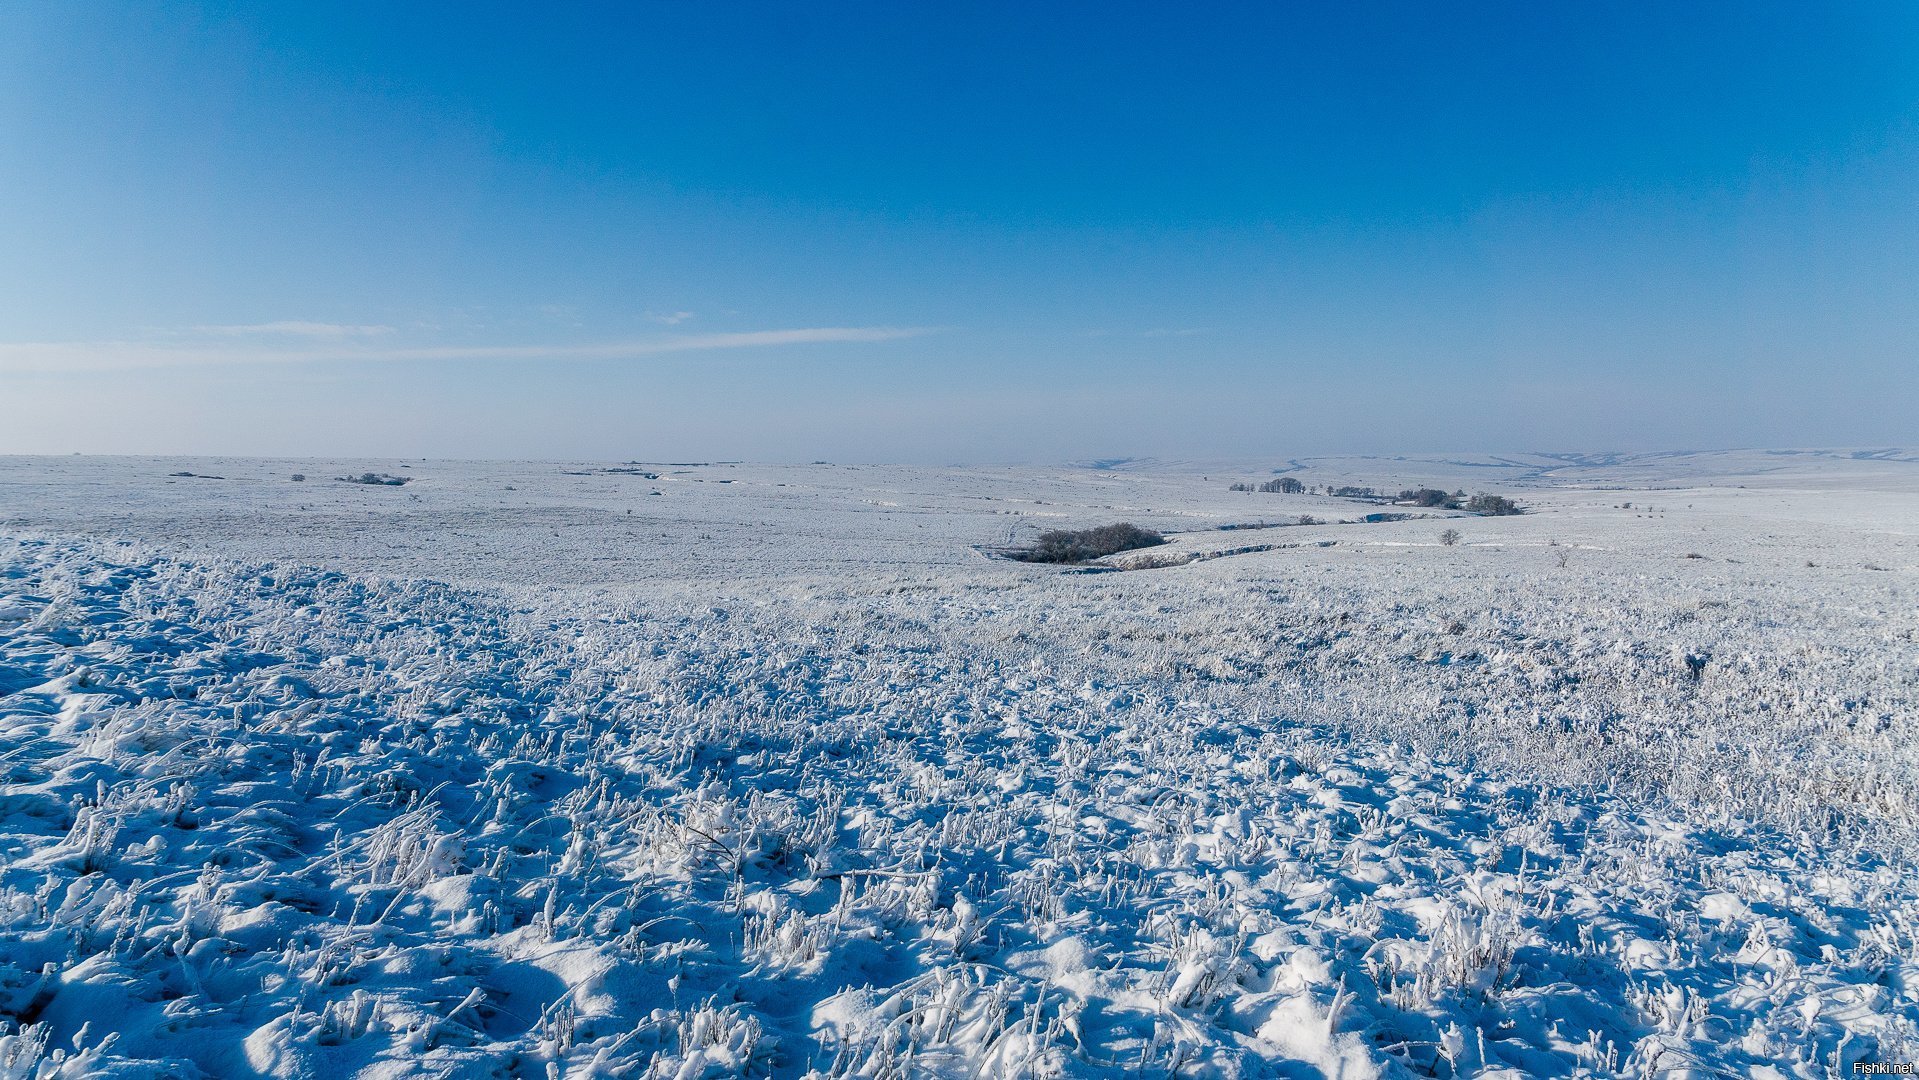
pixel 1085 545
pixel 375 479
pixel 1482 504
pixel 1493 505
pixel 1431 497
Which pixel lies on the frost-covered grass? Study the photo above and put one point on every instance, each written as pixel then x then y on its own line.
pixel 1524 807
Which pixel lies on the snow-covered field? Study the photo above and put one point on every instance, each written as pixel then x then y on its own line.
pixel 541 769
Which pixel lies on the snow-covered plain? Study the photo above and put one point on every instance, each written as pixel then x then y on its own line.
pixel 543 769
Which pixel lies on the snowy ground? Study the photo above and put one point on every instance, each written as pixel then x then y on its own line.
pixel 685 770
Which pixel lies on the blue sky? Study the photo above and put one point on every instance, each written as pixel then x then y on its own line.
pixel 1020 232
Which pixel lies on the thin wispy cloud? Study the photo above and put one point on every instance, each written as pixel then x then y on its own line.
pixel 671 318
pixel 293 328
pixel 22 357
pixel 1155 332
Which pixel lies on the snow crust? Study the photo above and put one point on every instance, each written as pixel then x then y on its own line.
pixel 783 776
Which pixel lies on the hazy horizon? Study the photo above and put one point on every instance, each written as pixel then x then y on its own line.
pixel 860 233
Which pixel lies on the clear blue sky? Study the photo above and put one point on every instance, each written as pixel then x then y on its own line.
pixel 900 232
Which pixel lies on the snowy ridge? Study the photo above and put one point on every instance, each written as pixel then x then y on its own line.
pixel 271 821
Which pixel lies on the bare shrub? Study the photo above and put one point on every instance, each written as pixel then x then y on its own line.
pixel 1449 537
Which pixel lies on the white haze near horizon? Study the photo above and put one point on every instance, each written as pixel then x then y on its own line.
pixel 914 401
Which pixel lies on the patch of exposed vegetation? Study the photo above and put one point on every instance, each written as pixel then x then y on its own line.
pixel 1493 506
pixel 1085 545
pixel 1482 504
pixel 1432 497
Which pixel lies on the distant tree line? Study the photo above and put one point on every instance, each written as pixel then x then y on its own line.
pixel 1285 485
pixel 1433 498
